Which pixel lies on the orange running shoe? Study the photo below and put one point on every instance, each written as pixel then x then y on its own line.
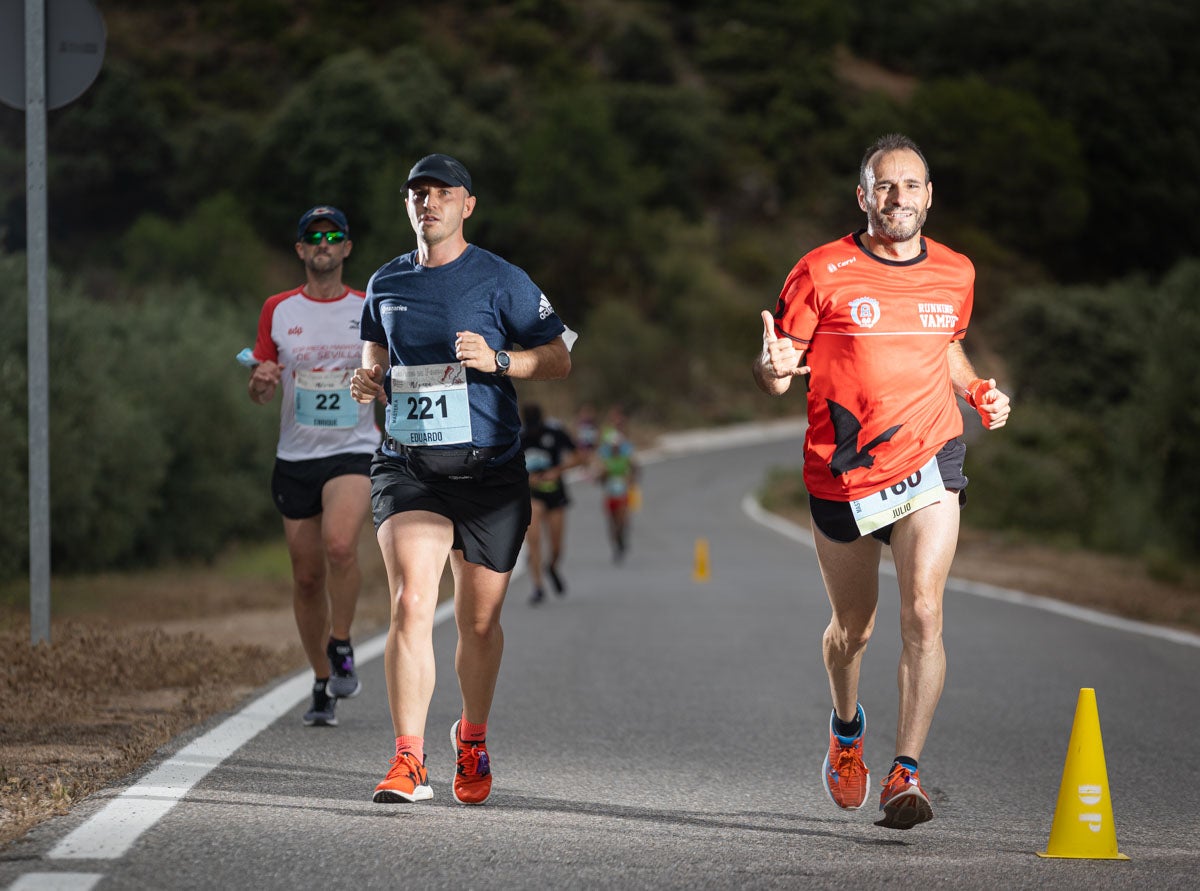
pixel 473 770
pixel 903 801
pixel 407 780
pixel 846 778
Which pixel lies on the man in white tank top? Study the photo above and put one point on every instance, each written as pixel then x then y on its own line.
pixel 308 345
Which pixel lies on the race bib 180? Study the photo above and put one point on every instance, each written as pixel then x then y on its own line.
pixel 429 405
pixel 900 499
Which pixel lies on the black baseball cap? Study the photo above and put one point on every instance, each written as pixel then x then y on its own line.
pixel 322 212
pixel 443 168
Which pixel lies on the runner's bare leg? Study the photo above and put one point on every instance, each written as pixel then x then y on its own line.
pixel 310 602
pixel 346 501
pixel 851 573
pixel 415 545
pixel 923 546
pixel 478 597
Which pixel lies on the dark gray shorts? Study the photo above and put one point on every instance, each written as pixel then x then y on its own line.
pixel 490 514
pixel 835 519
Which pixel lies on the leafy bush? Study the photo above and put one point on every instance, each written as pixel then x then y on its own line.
pixel 1104 442
pixel 1003 162
pixel 215 247
pixel 155 450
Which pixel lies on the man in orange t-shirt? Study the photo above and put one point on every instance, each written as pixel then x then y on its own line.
pixel 879 317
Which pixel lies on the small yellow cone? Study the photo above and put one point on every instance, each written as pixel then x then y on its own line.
pixel 1083 818
pixel 700 572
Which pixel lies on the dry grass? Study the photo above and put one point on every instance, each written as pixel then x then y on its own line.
pixel 136 659
pixel 97 701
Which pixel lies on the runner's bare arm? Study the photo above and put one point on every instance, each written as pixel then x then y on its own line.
pixel 982 395
pixel 548 362
pixel 263 381
pixel 368 380
pixel 778 362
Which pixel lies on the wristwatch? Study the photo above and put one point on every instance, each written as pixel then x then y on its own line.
pixel 503 363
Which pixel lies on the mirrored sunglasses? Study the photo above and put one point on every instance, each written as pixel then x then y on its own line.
pixel 333 237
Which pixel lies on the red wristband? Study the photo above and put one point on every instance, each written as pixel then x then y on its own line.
pixel 975 391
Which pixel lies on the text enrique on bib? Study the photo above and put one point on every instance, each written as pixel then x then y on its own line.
pixel 323 399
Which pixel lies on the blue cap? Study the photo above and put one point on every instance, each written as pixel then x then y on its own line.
pixel 322 212
pixel 443 168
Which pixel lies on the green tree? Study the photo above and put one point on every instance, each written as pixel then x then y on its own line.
pixel 576 193
pixel 1132 115
pixel 153 444
pixel 109 158
pixel 215 246
pixel 1002 162
pixel 1105 440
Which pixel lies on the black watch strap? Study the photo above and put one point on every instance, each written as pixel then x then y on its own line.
pixel 503 363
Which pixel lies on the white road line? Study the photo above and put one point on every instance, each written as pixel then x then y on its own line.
pixel 56 881
pixel 755 511
pixel 112 830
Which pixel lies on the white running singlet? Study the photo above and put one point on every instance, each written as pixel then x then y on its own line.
pixel 317 343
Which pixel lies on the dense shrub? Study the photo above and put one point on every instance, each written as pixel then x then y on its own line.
pixel 155 450
pixel 1104 443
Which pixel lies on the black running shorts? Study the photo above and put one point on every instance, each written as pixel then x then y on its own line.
pixel 490 515
pixel 553 499
pixel 835 519
pixel 296 485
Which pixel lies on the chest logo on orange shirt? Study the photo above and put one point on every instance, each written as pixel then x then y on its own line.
pixel 846 428
pixel 864 311
pixel 937 315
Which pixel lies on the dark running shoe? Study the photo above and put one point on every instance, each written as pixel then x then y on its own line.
pixel 343 682
pixel 322 712
pixel 560 587
pixel 537 597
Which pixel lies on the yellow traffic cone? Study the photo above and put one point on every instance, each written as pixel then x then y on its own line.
pixel 700 572
pixel 1083 818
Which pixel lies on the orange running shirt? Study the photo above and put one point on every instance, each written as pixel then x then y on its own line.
pixel 875 333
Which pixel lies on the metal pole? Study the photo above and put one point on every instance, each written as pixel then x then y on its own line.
pixel 39 366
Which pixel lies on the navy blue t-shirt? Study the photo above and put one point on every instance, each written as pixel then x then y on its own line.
pixel 416 311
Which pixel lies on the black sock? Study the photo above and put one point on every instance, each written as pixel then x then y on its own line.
pixel 905 761
pixel 336 642
pixel 848 729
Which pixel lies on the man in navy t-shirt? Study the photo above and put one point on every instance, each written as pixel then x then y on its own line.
pixel 449 481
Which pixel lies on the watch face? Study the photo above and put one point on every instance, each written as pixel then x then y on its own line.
pixel 503 360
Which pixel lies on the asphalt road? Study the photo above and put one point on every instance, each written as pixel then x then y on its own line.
pixel 652 730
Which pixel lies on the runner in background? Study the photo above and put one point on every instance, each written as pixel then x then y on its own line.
pixel 617 473
pixel 308 343
pixel 587 436
pixel 549 454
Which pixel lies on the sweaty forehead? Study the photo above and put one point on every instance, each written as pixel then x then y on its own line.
pixel 898 165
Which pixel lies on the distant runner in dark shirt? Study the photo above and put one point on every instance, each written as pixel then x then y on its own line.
pixel 549 453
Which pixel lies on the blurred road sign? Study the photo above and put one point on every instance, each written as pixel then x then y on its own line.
pixel 75 39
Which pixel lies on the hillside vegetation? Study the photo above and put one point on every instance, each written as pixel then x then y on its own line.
pixel 657 167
